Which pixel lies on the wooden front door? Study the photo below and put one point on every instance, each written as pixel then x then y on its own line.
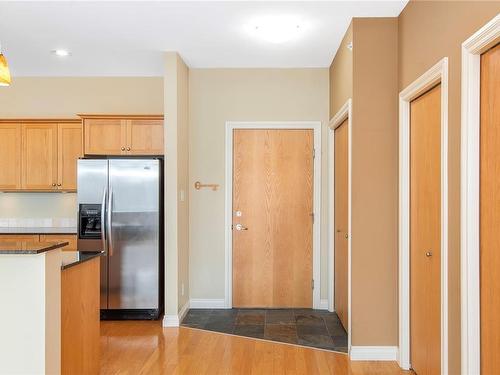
pixel 490 211
pixel 341 222
pixel 272 222
pixel 425 233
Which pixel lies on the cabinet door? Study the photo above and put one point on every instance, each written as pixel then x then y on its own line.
pixel 105 136
pixel 69 149
pixel 145 137
pixel 71 238
pixel 10 156
pixel 39 156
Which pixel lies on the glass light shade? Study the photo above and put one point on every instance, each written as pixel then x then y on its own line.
pixel 4 72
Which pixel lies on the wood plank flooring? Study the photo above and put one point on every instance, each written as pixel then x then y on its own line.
pixel 148 348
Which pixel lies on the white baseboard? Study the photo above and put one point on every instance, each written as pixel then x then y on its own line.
pixel 175 320
pixel 205 303
pixel 170 320
pixel 374 353
pixel 323 304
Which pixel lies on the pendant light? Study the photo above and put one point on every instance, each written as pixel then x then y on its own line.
pixel 4 70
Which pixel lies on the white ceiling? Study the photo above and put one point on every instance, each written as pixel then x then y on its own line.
pixel 121 38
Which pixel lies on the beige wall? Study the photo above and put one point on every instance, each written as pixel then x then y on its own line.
pixel 220 95
pixel 67 96
pixel 341 74
pixel 64 97
pixel 429 31
pixel 368 74
pixel 176 179
pixel 375 182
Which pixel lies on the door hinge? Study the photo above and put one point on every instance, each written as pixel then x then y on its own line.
pixel 312 216
pixel 312 284
pixel 314 153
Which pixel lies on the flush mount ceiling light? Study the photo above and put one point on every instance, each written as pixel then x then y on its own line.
pixel 276 29
pixel 61 52
pixel 4 70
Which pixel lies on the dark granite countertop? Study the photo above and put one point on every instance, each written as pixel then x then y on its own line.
pixel 38 230
pixel 28 247
pixel 72 258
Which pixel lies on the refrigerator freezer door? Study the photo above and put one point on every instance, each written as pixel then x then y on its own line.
pixel 134 234
pixel 92 182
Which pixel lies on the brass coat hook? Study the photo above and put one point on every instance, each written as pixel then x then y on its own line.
pixel 198 185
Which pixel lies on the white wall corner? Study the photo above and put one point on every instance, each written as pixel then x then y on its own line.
pixel 183 311
pixel 374 353
pixel 207 303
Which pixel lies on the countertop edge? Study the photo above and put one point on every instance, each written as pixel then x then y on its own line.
pixel 80 261
pixel 52 246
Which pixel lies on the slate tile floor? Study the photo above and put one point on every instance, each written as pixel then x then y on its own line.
pixel 308 327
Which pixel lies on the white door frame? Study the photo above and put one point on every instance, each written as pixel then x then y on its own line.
pixel 472 49
pixel 316 127
pixel 344 113
pixel 437 74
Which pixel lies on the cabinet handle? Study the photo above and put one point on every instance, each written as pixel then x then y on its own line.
pixel 128 148
pixel 123 148
pixel 54 184
pixel 59 184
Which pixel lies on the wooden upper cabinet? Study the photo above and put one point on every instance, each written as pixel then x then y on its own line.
pixel 105 136
pixel 39 167
pixel 70 148
pixel 145 137
pixel 123 135
pixel 10 156
pixel 39 154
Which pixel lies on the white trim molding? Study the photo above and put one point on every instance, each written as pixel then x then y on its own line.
pixel 175 320
pixel 171 321
pixel 230 127
pixel 472 48
pixel 205 303
pixel 374 353
pixel 435 75
pixel 323 304
pixel 344 113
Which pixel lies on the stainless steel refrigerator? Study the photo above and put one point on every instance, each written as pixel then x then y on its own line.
pixel 119 211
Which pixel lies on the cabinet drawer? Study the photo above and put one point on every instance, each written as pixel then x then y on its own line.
pixel 19 237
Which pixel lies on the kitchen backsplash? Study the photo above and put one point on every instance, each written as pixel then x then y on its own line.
pixel 38 209
pixel 46 222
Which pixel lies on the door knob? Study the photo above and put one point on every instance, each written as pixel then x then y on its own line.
pixel 59 184
pixel 240 227
pixel 123 148
pixel 54 184
pixel 346 236
pixel 428 254
pixel 128 148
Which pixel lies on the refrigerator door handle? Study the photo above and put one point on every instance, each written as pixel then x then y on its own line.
pixel 103 226
pixel 109 230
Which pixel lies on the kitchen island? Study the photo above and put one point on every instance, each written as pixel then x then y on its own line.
pixel 50 309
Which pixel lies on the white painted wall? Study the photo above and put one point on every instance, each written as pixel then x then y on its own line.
pixel 30 313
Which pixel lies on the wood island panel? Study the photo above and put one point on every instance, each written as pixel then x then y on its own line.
pixel 80 320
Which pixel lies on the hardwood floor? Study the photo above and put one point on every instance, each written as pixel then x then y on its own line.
pixel 148 348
